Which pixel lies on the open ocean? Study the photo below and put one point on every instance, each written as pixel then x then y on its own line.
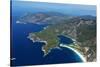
pixel 24 50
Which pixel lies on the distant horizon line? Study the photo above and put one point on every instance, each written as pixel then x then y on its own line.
pixel 37 1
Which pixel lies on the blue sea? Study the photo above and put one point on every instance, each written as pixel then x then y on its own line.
pixel 24 50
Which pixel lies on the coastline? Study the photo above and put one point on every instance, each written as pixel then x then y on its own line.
pixel 80 55
pixel 60 45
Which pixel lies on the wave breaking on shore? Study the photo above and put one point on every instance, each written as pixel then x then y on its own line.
pixel 79 54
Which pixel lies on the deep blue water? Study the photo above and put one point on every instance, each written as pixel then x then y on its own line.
pixel 28 53
pixel 65 40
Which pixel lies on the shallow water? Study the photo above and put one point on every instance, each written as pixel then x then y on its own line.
pixel 28 53
pixel 25 51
